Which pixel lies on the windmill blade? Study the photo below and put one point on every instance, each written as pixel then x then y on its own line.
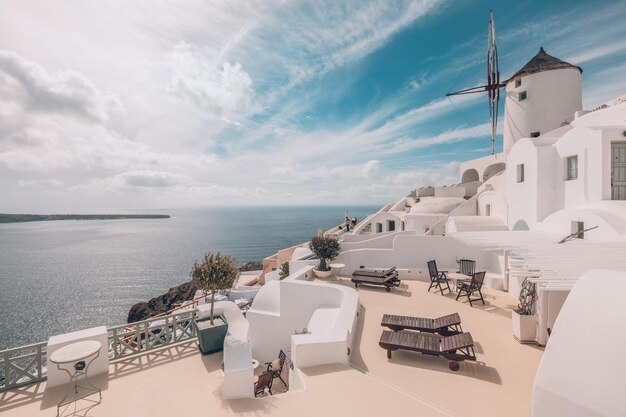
pixel 493 80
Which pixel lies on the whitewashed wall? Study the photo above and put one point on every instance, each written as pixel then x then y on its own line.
pixel 553 98
pixel 582 372
pixel 287 306
pixel 410 254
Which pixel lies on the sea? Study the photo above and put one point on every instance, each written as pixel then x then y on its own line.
pixel 61 276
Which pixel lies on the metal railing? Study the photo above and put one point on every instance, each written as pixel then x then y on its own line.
pixel 142 336
pixel 23 365
pixel 27 364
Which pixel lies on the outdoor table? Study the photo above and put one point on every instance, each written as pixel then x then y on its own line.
pixel 456 277
pixel 77 354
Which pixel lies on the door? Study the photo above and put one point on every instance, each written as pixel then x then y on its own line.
pixel 618 170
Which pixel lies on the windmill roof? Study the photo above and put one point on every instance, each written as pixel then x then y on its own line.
pixel 543 62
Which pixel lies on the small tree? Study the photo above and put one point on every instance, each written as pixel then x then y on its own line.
pixel 284 270
pixel 216 272
pixel 326 248
pixel 527 298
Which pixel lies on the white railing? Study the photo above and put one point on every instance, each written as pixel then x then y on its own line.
pixel 23 365
pixel 27 364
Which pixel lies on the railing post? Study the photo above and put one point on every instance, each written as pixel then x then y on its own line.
pixel 5 357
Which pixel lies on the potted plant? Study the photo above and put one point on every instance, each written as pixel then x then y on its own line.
pixel 216 272
pixel 326 248
pixel 524 321
pixel 284 270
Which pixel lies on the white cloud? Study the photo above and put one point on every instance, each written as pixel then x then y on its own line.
pixel 65 92
pixel 219 88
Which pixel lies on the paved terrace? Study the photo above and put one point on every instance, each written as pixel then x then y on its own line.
pixel 180 381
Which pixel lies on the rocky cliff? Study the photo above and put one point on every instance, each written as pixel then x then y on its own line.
pixel 175 296
pixel 161 304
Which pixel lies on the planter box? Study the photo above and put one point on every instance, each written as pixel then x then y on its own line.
pixel 524 327
pixel 211 339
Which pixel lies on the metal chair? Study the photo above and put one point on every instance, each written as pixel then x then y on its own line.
pixel 437 277
pixel 264 382
pixel 467 267
pixel 473 286
pixel 276 366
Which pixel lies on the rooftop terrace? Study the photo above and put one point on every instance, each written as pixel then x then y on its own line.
pixel 179 380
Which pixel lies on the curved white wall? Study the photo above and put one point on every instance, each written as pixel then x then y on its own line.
pixel 293 304
pixel 496 202
pixel 552 97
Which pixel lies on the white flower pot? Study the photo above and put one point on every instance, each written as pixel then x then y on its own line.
pixel 322 274
pixel 524 327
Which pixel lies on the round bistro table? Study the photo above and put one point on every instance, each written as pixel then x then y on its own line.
pixel 337 267
pixel 77 355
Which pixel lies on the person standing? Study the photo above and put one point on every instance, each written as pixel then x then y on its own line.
pixel 347 222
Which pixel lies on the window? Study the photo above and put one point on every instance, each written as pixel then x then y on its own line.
pixel 488 210
pixel 523 96
pixel 571 168
pixel 518 83
pixel 391 225
pixel 379 227
pixel 402 226
pixel 520 173
pixel 535 134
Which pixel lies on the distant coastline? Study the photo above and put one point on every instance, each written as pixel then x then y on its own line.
pixel 21 218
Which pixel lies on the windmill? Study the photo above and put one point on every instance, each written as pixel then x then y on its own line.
pixel 493 81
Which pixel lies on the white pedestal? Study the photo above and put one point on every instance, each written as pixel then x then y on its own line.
pixel 58 377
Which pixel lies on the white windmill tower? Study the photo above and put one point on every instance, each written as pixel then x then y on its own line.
pixel 540 97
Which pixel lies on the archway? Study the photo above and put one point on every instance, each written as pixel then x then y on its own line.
pixel 470 175
pixel 492 170
pixel 521 225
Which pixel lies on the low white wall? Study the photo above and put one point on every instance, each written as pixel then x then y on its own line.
pixel 238 370
pixel 99 366
pixel 272 276
pixel 419 223
pixel 375 241
pixel 410 254
pixel 457 191
pixel 273 326
pixel 582 372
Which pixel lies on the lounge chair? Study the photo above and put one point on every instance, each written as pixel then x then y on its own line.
pixel 445 326
pixel 455 348
pixel 276 366
pixel 469 288
pixel 264 382
pixel 387 278
pixel 437 278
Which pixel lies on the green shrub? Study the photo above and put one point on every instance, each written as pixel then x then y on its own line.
pixel 326 248
pixel 284 270
pixel 216 272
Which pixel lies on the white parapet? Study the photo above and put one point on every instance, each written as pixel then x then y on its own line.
pixel 238 370
pixel 99 366
pixel 582 371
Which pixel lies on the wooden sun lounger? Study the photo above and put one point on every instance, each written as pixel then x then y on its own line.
pixel 374 272
pixel 455 348
pixel 383 278
pixel 445 326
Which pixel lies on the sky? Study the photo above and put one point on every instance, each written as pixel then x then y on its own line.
pixel 154 104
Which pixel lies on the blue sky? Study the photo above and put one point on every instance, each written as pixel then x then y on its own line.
pixel 151 105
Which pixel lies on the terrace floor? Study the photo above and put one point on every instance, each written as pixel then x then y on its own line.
pixel 179 380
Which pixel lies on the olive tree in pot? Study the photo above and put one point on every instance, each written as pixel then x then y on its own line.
pixel 216 272
pixel 326 248
pixel 523 317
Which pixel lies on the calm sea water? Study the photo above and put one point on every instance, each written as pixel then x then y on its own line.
pixel 62 276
